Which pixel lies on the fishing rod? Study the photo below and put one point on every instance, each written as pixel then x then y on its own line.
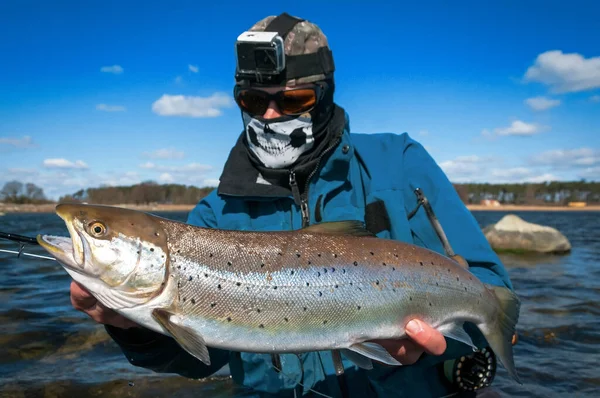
pixel 22 240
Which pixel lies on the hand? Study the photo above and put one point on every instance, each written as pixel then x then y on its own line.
pixel 83 301
pixel 422 338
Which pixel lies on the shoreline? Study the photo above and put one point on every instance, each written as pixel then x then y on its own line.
pixel 49 208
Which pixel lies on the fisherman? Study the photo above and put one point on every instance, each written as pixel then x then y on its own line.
pixel 296 163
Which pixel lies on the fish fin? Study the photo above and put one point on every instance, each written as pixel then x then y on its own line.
pixel 460 260
pixel 375 352
pixel 186 337
pixel 347 227
pixel 358 359
pixel 456 332
pixel 499 333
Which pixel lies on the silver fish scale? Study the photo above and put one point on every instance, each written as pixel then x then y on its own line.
pixel 236 285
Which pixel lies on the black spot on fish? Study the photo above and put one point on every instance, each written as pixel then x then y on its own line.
pixel 304 308
pixel 343 270
pixel 258 310
pixel 298 255
pixel 262 265
pixel 325 270
pixel 421 262
pixel 238 283
pixel 261 326
pixel 351 283
pixel 334 255
pixel 151 249
pixel 465 289
pixel 184 299
pixel 332 269
pixel 210 254
pixel 358 307
pixel 393 268
pixel 229 263
pixel 336 286
pixel 212 305
pixel 430 304
pixel 320 294
pixel 228 319
pixel 291 272
pixel 377 282
pixel 372 254
pixel 285 319
pixel 355 263
pixel 324 322
pixel 448 269
pixel 193 301
pixel 138 252
pixel 437 284
pixel 219 286
pixel 275 287
pixel 190 278
pixel 206 275
pixel 319 254
pixel 307 284
pixel 457 279
pixel 318 273
pixel 410 298
pixel 384 264
pixel 394 290
pixel 280 254
pixel 395 255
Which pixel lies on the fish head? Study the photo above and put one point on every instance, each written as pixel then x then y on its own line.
pixel 117 253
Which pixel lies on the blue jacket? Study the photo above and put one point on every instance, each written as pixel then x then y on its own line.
pixel 363 169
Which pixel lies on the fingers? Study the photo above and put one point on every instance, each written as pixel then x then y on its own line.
pixel 405 351
pixel 427 338
pixel 83 301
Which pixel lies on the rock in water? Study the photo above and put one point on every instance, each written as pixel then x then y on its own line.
pixel 513 234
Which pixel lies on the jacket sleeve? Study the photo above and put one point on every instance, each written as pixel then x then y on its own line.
pixel 460 226
pixel 160 353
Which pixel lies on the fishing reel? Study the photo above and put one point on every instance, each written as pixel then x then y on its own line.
pixel 472 372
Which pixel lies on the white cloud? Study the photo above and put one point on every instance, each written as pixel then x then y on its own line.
pixel 464 168
pixel 423 133
pixel 165 153
pixel 188 168
pixel 565 73
pixel 190 106
pixel 166 178
pixel 24 142
pixel 193 68
pixel 116 69
pixel 518 128
pixel 110 108
pixel 60 163
pixel 561 158
pixel 595 98
pixel 590 173
pixel 542 103
pixel 211 182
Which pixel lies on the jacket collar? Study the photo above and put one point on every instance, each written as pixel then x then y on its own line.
pixel 242 179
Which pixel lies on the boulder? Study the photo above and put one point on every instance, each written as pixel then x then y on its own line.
pixel 513 234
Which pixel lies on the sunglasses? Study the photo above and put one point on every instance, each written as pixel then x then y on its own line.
pixel 290 102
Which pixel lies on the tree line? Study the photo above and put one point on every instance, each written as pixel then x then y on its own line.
pixel 150 192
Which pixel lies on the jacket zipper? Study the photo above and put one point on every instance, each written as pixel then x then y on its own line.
pixel 302 200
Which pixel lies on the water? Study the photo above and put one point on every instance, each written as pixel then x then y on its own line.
pixel 47 349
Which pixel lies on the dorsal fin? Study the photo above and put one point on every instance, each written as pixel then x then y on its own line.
pixel 347 227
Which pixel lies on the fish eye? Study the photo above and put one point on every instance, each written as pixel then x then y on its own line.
pixel 97 229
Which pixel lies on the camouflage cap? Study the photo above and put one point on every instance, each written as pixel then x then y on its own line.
pixel 304 38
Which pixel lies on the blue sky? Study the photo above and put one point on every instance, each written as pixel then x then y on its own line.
pixel 88 90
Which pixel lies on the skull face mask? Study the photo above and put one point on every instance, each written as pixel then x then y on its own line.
pixel 279 142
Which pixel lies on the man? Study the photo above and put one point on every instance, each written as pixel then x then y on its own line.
pixel 296 163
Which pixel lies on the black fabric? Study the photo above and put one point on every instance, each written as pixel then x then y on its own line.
pixel 241 169
pixel 377 218
pixel 283 24
pixel 303 65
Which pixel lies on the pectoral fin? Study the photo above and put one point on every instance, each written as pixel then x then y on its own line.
pixel 187 338
pixel 375 352
pixel 358 359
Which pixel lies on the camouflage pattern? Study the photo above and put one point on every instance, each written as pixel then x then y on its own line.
pixel 304 38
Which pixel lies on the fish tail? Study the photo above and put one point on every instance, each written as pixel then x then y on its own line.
pixel 499 332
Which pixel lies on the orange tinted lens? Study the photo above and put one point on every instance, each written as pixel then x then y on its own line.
pixel 254 102
pixel 297 101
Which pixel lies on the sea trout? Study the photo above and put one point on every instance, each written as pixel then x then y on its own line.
pixel 329 286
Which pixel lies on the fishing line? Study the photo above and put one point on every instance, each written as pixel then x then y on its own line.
pixel 22 240
pixel 300 384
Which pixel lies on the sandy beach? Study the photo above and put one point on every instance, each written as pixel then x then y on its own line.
pixel 49 208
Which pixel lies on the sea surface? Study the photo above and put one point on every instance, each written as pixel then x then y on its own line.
pixel 47 349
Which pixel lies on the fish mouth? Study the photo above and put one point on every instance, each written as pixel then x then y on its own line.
pixel 68 250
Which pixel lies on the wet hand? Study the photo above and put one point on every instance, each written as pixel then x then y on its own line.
pixel 422 339
pixel 83 301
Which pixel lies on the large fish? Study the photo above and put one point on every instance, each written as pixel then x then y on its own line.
pixel 330 286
